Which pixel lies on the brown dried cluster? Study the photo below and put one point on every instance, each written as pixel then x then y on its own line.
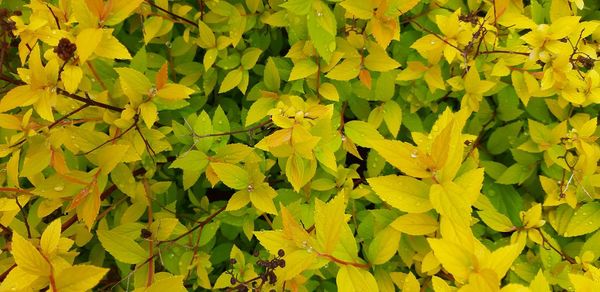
pixel 65 49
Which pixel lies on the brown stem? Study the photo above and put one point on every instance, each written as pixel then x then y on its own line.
pixel 343 262
pixel 200 225
pixel 563 255
pixel 151 240
pixel 151 3
pixel 3 275
pixel 251 129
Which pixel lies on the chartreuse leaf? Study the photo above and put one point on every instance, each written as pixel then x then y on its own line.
pixel 28 258
pixel 121 247
pixel 411 284
pixel 453 257
pixel 232 79
pixel 79 278
pixel 262 198
pixel 167 283
pixel 362 133
pixel 271 75
pixel 303 69
pixel 351 279
pixel 539 283
pixel 173 91
pixel 322 29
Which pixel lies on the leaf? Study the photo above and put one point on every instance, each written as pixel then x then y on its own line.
pixel 174 91
pixel 454 258
pixel 329 219
pixel 27 257
pixel 250 57
pixel 133 83
pixel 262 198
pixel 303 69
pixel 392 115
pixel 123 178
pixel 496 220
pixel 171 283
pixel 151 27
pixel 79 278
pixel 16 97
pixel 121 247
pixel 111 48
pixel 109 156
pixel 232 79
pixel 231 175
pixel 329 92
pixel 383 246
pixel 539 283
pixel 346 70
pixel 415 224
pixel 359 8
pixel 378 60
pixel 162 76
pixel 362 133
pixel 149 113
pixel 271 75
pixel 121 10
pixel 411 284
pixel 207 36
pixel 586 219
pixel 50 238
pixel 259 110
pixel 352 279
pixel 322 29
pixel 402 192
pixel 87 41
pixel 71 77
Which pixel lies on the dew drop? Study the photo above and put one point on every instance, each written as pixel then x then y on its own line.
pixel 414 154
pixel 566 234
pixel 59 188
pixel 319 14
pixel 168 44
pixel 590 222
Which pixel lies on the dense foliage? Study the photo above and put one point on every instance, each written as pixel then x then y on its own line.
pixel 357 145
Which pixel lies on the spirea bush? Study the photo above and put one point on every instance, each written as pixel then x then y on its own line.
pixel 299 145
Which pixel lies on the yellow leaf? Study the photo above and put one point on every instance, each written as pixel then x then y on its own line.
pixel 415 224
pixel 87 41
pixel 329 92
pixel 453 257
pixel 496 220
pixel 121 10
pixel 109 156
pixel 149 113
pixel 346 70
pixel 411 284
pixel 303 69
pixel 79 278
pixel 362 133
pixel 404 156
pixel 50 238
pixel 27 257
pixel 231 175
pixel 121 247
pixel 392 115
pixel 262 198
pixel 378 60
pixel 539 283
pixel 71 76
pixel 18 280
pixel 297 262
pixel 174 91
pixel 134 84
pixel 383 246
pixel 350 279
pixel 18 96
pixel 151 27
pixel 440 285
pixel 171 283
pixel 239 199
pixel 359 8
pixel 111 48
pixel 207 36
pixel 402 192
pixel 329 220
pixel 232 79
pixel 299 171
pixel 502 258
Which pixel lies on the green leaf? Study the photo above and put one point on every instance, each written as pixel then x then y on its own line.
pixel 250 57
pixel 362 133
pixel 123 178
pixel 392 115
pixel 384 246
pixel 121 247
pixel 271 75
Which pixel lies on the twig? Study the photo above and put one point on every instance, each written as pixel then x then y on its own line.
pixel 24 217
pixel 151 3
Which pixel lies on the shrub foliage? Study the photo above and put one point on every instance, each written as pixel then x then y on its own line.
pixel 358 145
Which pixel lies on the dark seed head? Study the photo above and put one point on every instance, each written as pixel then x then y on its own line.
pixel 232 261
pixel 146 233
pixel 280 252
pixel 232 281
pixel 65 49
pixel 282 263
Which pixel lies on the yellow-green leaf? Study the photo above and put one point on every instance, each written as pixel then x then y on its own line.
pixel 329 92
pixel 303 69
pixel 329 219
pixel 262 198
pixel 71 76
pixel 87 41
pixel 271 75
pixel 174 91
pixel 172 283
pixel 383 246
pixel 350 279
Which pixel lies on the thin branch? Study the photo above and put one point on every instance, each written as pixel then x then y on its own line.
pixel 24 217
pixel 249 130
pixel 151 3
pixel 200 225
pixel 3 276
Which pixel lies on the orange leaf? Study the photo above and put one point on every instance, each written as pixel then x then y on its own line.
pixel 162 76
pixel 78 198
pixel 365 77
